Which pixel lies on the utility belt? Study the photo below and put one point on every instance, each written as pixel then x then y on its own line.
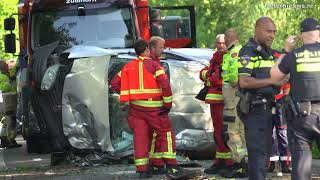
pixel 303 108
pixel 266 101
pixel 249 100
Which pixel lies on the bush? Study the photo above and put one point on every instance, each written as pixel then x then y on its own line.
pixel 315 151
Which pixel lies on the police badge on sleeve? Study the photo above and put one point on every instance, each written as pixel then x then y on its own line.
pixel 245 60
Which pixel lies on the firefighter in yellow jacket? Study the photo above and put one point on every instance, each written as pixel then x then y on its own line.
pixel 233 130
pixel 8 119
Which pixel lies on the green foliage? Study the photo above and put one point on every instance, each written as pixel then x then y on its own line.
pixel 315 151
pixel 7 7
pixel 215 16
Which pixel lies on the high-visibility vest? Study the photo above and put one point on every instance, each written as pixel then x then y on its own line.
pixel 137 83
pixel 305 77
pixel 230 64
pixel 5 85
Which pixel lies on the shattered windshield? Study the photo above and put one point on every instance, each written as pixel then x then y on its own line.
pixel 105 28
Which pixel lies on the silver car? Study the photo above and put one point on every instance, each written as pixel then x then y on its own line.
pixel 93 117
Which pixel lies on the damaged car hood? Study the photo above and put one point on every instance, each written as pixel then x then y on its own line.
pixel 87 51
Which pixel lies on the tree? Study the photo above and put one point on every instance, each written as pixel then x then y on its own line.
pixel 215 16
pixel 7 7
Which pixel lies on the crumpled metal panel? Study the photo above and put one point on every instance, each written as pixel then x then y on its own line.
pixel 187 112
pixel 195 139
pixel 85 109
pixel 86 101
pixel 87 51
pixel 201 55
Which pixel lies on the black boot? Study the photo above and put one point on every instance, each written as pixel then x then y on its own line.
pixel 145 174
pixel 14 144
pixel 178 173
pixel 156 170
pixel 272 167
pixel 285 167
pixel 4 142
pixel 235 171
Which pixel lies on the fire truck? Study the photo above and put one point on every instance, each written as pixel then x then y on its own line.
pixel 69 51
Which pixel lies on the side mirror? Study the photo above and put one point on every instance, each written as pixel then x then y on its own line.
pixel 10 43
pixel 9 24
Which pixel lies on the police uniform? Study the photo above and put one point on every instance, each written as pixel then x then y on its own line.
pixel 303 64
pixel 233 129
pixel 256 62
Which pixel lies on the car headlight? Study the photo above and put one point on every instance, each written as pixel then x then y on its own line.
pixel 49 77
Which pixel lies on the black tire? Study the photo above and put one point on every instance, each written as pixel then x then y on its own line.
pixel 38 143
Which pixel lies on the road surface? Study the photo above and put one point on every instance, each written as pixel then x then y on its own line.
pixel 18 165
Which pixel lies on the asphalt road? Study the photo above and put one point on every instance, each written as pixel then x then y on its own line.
pixel 17 164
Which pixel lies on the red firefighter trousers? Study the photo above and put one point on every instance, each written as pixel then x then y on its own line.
pixel 161 142
pixel 222 151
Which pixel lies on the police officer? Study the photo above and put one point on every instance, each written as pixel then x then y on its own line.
pixel 303 64
pixel 233 128
pixel 257 94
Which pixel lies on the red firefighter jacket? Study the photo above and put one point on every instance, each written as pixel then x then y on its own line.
pixel 144 83
pixel 211 76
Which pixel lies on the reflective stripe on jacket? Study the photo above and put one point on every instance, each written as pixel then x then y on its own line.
pixel 137 82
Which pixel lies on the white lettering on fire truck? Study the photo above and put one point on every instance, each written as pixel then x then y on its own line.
pixel 79 1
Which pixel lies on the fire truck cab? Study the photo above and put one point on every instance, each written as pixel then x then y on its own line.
pixel 66 50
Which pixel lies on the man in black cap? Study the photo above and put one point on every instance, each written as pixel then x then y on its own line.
pixel 303 110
